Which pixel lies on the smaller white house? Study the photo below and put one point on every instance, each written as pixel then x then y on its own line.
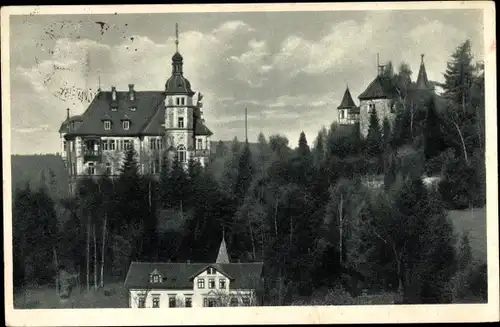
pixel 186 284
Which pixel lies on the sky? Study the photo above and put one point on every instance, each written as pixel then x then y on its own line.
pixel 289 69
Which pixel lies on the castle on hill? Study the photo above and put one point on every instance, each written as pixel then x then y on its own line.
pixel 383 97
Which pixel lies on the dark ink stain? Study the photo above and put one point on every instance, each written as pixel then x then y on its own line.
pixel 135 49
pixel 104 26
pixel 132 38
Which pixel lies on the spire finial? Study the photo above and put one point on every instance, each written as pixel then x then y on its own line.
pixel 176 37
pixel 422 57
pixel 67 113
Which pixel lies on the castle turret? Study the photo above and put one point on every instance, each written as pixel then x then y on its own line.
pixel 348 112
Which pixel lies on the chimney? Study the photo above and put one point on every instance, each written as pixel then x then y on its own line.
pixel 67 114
pixel 131 92
pixel 113 93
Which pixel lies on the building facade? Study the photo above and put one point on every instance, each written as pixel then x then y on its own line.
pixel 186 284
pixel 152 122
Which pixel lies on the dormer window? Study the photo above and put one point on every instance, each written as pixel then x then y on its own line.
pixel 126 125
pixel 133 108
pixel 155 278
pixel 114 108
pixel 210 271
pixel 371 108
pixel 113 93
pixel 107 125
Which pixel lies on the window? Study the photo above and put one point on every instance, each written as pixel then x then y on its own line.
pixel 233 302
pixel 120 145
pixel 180 101
pixel 371 108
pixel 208 302
pixel 91 168
pixel 392 106
pixel 341 114
pixel 211 271
pixel 104 145
pixel 211 283
pixel 181 153
pixel 154 166
pixel 171 301
pixel 127 144
pixel 201 283
pixel 199 144
pixel 108 168
pixel 188 302
pixel 155 144
pixel 180 122
pixel 107 125
pixel 156 302
pixel 126 124
pixel 114 108
pixel 222 283
pixel 112 145
pixel 246 301
pixel 65 144
pixel 142 302
pixel 133 108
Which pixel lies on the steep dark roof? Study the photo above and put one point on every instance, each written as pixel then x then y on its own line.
pixel 379 88
pixel 146 103
pixel 422 81
pixel 202 129
pixel 179 275
pixel 347 101
pixel 65 124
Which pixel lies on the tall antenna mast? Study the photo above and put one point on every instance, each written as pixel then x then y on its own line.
pixel 378 64
pixel 176 37
pixel 246 130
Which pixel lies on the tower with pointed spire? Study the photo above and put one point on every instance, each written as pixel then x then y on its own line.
pixel 422 80
pixel 222 255
pixel 348 112
pixel 186 135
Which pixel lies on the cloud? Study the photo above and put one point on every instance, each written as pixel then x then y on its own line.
pixel 41 128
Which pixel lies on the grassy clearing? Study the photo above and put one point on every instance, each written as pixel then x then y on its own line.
pixel 473 221
pixel 44 297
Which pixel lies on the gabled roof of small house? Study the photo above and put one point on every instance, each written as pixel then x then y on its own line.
pixel 146 104
pixel 380 88
pixel 347 101
pixel 177 275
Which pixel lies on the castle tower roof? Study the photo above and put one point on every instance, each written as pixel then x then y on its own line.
pixel 422 81
pixel 177 83
pixel 347 101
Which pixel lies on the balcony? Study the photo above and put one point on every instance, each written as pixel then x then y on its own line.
pixel 201 153
pixel 92 155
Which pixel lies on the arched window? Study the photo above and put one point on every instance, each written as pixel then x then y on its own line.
pixel 181 153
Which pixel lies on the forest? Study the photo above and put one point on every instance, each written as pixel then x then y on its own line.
pixel 305 210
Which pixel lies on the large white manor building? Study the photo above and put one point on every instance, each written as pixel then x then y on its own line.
pixel 151 122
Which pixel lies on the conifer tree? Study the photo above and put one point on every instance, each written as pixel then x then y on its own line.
pixel 374 136
pixel 244 173
pixel 386 133
pixel 459 75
